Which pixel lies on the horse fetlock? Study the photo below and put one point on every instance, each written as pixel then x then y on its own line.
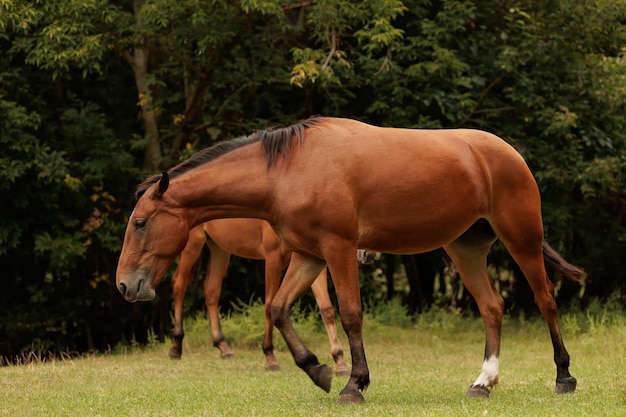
pixel 360 380
pixel 363 384
pixel 268 349
pixel 565 385
pixel 225 351
pixel 342 368
pixel 178 335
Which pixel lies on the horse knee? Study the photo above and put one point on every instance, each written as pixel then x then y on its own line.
pixel 498 307
pixel 279 314
pixel 352 321
pixel 328 314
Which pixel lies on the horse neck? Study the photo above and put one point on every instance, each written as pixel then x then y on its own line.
pixel 224 188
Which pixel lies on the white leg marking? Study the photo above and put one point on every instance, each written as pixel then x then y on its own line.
pixel 490 373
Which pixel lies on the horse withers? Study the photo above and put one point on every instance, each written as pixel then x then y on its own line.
pixel 458 189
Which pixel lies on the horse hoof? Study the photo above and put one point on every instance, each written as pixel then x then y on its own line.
pixel 174 354
pixel 228 355
pixel 342 372
pixel 272 367
pixel 323 377
pixel 565 385
pixel 351 398
pixel 477 391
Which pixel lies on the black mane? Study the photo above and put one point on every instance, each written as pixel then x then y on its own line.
pixel 274 142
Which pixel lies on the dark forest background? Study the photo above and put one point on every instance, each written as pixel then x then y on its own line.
pixel 97 94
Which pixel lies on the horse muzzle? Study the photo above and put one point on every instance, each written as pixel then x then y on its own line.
pixel 136 289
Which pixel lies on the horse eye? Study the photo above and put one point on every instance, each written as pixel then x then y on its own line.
pixel 140 223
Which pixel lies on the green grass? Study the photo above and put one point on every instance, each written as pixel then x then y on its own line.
pixel 414 371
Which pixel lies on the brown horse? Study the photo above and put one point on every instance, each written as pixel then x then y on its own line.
pixel 252 239
pixel 315 184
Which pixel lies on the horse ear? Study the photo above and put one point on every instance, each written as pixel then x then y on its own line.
pixel 164 182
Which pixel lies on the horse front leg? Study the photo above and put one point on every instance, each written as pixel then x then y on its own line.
pixel 344 271
pixel 327 311
pixel 179 288
pixel 300 274
pixel 180 281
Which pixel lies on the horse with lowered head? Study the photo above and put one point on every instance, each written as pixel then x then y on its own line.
pixel 459 189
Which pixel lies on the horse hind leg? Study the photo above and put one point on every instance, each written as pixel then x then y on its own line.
pixel 533 267
pixel 345 275
pixel 523 238
pixel 469 253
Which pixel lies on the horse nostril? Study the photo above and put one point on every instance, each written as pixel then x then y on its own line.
pixel 139 285
pixel 122 288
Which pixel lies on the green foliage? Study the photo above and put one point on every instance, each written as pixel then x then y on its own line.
pixel 597 317
pixel 390 313
pixel 58 36
pixel 244 326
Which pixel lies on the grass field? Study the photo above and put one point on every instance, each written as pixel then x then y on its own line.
pixel 423 370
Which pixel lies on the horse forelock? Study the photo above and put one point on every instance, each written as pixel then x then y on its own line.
pixel 274 142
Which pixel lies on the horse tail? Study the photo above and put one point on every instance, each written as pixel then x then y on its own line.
pixel 559 265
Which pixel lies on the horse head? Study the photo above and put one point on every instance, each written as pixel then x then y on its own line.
pixel 155 235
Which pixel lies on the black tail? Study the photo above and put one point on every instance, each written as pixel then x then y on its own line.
pixel 555 262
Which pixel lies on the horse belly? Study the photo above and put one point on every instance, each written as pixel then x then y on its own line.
pixel 416 225
pixel 411 237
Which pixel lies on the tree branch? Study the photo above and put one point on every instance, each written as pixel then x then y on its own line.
pixel 303 3
pixel 333 49
pixel 481 98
